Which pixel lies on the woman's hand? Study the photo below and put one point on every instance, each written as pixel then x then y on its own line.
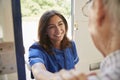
pixel 72 75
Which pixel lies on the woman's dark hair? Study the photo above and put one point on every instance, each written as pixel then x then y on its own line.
pixel 43 38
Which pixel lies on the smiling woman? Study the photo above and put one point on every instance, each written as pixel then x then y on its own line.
pixel 53 51
pixel 56 30
pixel 31 11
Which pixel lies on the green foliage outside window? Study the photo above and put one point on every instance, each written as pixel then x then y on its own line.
pixel 37 7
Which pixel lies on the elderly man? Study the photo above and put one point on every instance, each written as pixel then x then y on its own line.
pixel 104 27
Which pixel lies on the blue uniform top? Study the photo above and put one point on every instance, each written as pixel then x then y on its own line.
pixel 62 59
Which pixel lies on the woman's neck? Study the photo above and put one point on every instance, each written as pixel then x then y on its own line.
pixel 57 45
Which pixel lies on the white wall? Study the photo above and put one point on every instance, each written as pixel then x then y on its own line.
pixel 88 54
pixel 6 33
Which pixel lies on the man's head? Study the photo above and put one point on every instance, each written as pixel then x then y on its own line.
pixel 104 24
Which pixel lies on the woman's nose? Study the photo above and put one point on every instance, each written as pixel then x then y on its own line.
pixel 58 29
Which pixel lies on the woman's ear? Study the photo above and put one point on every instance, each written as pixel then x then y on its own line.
pixel 98 4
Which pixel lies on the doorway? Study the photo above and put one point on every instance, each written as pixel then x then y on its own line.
pixel 31 12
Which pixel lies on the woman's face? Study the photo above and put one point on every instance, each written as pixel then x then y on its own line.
pixel 56 29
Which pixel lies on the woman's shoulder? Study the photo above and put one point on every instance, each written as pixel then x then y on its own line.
pixel 72 42
pixel 35 45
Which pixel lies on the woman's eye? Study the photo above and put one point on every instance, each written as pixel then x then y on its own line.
pixel 60 24
pixel 51 26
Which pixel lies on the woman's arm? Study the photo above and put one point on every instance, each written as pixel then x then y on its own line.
pixel 40 73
